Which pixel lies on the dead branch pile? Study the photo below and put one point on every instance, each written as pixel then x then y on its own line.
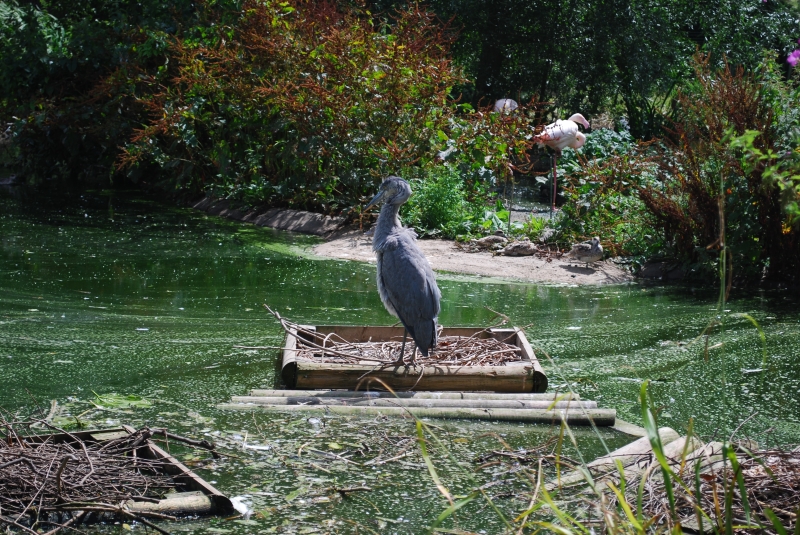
pixel 772 482
pixel 449 351
pixel 47 485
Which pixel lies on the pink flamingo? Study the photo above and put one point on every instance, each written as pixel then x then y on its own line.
pixel 558 136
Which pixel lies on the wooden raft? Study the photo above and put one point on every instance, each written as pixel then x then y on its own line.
pixel 525 375
pixel 515 407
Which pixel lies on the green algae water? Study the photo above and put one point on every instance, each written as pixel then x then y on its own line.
pixel 108 296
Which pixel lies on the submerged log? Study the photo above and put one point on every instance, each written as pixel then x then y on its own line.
pixel 598 417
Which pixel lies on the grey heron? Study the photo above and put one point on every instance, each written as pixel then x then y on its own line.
pixel 406 283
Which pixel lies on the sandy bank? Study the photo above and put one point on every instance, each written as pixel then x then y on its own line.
pixel 444 255
pixel 447 256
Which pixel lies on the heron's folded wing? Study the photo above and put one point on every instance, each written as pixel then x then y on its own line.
pixel 409 283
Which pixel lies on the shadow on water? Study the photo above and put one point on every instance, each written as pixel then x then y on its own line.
pixel 106 293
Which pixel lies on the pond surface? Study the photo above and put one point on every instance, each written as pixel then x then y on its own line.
pixel 111 293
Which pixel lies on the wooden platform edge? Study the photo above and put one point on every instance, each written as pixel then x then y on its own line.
pixel 526 375
pixel 415 394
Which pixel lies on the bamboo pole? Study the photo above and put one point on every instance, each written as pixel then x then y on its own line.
pixel 599 417
pixel 551 396
pixel 411 402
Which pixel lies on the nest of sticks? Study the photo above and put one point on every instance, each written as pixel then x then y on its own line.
pixel 48 485
pixel 449 351
pixel 771 479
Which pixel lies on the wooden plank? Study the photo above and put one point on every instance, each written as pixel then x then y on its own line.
pixel 600 417
pixel 289 362
pixel 561 396
pixel 497 378
pixel 539 377
pixel 411 402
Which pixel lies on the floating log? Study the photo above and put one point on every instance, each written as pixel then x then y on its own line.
pixel 177 504
pixel 412 402
pixel 606 465
pixel 182 474
pixel 598 417
pixel 302 373
pixel 557 396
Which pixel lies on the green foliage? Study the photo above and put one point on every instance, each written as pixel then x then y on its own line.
pixel 707 197
pixel 623 55
pixel 440 205
pixel 600 195
pixel 777 170
pixel 299 103
pixel 56 58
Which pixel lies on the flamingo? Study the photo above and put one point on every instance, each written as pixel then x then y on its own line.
pixel 558 136
pixel 505 105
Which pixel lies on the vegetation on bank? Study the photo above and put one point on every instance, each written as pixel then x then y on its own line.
pixel 309 105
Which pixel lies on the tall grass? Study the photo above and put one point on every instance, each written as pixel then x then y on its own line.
pixel 669 494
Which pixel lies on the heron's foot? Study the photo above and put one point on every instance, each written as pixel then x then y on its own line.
pixel 402 360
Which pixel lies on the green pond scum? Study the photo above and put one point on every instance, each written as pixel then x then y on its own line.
pixel 128 311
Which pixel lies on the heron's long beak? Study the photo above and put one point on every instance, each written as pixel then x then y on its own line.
pixel 375 200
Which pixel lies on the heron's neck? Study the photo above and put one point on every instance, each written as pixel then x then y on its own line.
pixel 388 221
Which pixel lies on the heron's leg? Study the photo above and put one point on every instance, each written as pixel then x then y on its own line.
pixel 403 348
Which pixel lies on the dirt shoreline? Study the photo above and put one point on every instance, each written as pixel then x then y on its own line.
pixel 445 255
pixel 344 243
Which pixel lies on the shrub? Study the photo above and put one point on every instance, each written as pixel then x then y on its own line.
pixel 299 103
pixel 707 200
pixel 600 186
pixel 440 205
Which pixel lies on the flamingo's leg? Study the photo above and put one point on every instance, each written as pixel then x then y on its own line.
pixel 553 198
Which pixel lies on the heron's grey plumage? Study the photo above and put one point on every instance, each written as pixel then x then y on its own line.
pixel 406 283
